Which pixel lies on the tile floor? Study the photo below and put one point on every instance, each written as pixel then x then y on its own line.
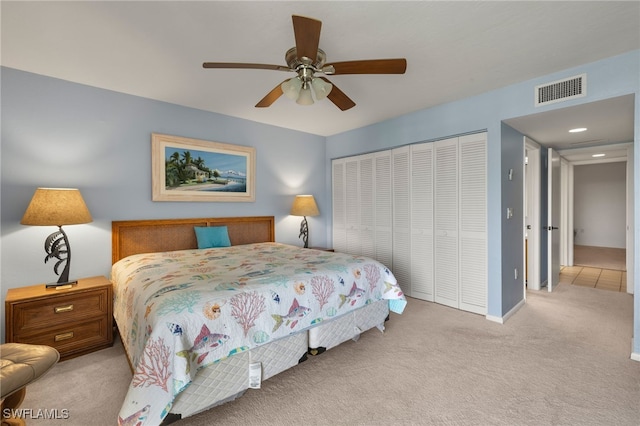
pixel 605 279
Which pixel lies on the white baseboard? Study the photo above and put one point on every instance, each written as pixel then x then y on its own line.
pixel 634 355
pixel 501 320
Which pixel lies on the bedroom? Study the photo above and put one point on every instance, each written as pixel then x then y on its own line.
pixel 61 133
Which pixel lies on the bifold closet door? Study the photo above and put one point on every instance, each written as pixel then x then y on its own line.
pixel 421 218
pixel 401 222
pixel 421 210
pixel 338 205
pixel 352 205
pixel 366 197
pixel 383 209
pixel 446 222
pixel 473 223
pixel 362 211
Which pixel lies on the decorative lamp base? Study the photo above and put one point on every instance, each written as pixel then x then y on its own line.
pixel 304 232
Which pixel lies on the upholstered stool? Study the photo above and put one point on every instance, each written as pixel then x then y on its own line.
pixel 21 364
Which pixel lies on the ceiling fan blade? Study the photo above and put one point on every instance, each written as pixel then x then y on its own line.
pixel 338 97
pixel 245 66
pixel 372 66
pixel 271 97
pixel 307 33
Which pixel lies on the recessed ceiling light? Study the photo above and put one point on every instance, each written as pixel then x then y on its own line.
pixel 578 130
pixel 598 155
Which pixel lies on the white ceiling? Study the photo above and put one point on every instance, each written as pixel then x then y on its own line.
pixel 453 49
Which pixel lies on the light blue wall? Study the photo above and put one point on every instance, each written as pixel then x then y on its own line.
pixel 512 229
pixel 607 78
pixel 61 134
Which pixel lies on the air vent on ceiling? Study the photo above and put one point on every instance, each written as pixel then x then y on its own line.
pixel 561 90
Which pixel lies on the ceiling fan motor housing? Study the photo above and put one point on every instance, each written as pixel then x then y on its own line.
pixel 305 67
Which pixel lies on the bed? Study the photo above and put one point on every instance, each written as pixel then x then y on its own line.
pixel 201 325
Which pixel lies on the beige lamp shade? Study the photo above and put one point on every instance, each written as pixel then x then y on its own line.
pixel 304 205
pixel 56 207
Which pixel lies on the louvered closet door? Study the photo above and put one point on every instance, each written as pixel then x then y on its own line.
pixel 446 222
pixel 401 222
pixel 473 223
pixel 352 209
pixel 383 209
pixel 367 206
pixel 421 215
pixel 339 208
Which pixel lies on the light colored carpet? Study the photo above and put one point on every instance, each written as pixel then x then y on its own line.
pixel 600 257
pixel 563 359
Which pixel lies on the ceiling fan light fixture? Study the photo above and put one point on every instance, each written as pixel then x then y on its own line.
pixel 291 88
pixel 305 97
pixel 321 88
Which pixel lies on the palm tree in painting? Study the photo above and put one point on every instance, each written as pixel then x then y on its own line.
pixel 186 158
pixel 181 169
pixel 199 163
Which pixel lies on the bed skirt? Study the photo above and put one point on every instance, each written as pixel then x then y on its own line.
pixel 332 333
pixel 228 379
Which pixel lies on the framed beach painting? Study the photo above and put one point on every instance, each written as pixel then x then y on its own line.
pixel 186 169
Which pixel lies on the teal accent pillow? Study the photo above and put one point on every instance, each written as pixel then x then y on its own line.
pixel 212 236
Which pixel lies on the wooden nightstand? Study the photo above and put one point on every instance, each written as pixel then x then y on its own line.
pixel 75 321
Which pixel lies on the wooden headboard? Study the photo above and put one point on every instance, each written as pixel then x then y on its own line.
pixel 156 235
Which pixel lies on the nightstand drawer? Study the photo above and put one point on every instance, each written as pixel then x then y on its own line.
pixel 74 320
pixel 73 337
pixel 63 309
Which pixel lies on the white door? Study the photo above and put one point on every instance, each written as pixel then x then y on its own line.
pixel 421 201
pixel 446 262
pixel 352 208
pixel 366 202
pixel 400 179
pixel 532 213
pixel 383 208
pixel 553 219
pixel 472 228
pixel 338 198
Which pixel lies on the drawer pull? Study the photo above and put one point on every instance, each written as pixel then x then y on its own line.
pixel 61 309
pixel 63 336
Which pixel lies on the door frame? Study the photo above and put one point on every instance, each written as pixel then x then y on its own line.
pixel 554 217
pixel 630 222
pixel 566 213
pixel 531 190
pixel 568 191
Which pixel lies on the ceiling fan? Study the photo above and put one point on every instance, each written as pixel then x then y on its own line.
pixel 306 59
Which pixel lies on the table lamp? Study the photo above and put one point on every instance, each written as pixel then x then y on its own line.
pixel 304 205
pixel 57 207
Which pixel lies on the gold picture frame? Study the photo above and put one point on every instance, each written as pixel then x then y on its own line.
pixel 185 169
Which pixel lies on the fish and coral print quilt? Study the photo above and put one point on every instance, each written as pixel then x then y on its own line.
pixel 180 311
